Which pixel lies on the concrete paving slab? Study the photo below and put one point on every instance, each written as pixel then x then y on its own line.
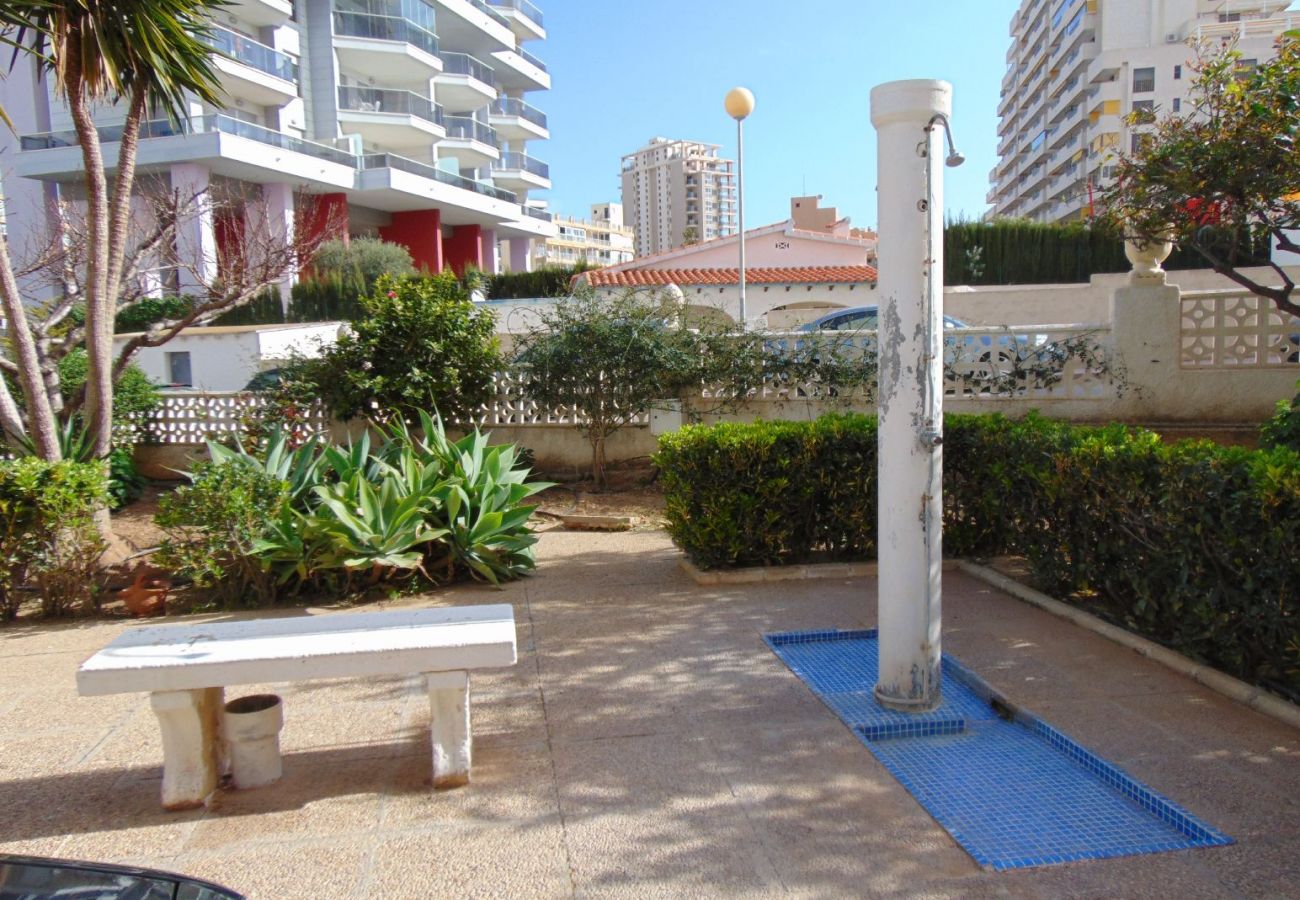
pixel 646 744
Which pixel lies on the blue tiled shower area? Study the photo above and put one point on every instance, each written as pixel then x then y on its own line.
pixel 1010 789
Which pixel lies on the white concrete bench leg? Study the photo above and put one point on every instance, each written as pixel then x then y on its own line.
pixel 190 722
pixel 449 705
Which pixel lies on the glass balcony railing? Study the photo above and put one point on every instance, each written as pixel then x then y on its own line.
pixel 390 161
pixel 491 13
pixel 537 213
pixel 522 161
pixel 385 100
pixel 469 129
pixel 385 28
pixel 530 12
pixel 532 59
pixel 252 53
pixel 513 106
pixel 464 64
pixel 198 125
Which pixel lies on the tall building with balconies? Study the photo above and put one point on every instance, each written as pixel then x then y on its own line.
pixel 1077 68
pixel 678 192
pixel 406 119
pixel 602 240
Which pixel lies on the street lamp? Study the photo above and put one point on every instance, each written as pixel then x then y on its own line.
pixel 739 104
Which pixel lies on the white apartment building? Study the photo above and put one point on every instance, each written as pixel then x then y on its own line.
pixel 406 119
pixel 602 240
pixel 1077 68
pixel 677 191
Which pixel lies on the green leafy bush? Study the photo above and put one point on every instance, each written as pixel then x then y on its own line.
pixel 213 524
pixel 1283 429
pixel 421 345
pixel 333 519
pixel 1190 544
pixel 364 258
pixel 48 539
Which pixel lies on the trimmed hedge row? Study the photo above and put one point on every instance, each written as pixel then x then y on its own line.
pixel 1191 544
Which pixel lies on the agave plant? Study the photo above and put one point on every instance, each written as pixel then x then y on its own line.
pixel 380 530
pixel 298 467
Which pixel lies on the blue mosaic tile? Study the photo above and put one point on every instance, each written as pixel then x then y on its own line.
pixel 1013 793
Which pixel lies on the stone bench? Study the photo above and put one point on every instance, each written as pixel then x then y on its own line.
pixel 185 668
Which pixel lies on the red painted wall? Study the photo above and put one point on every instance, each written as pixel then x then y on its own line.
pixel 420 232
pixel 323 217
pixel 464 248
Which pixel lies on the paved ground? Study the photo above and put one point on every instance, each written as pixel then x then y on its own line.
pixel 647 745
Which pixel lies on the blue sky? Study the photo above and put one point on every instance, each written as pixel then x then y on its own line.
pixel 623 72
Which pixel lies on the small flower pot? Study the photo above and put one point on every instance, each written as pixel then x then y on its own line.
pixel 251 728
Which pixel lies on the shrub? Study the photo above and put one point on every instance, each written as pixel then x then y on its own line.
pixel 213 523
pixel 421 345
pixel 336 518
pixel 133 394
pixel 365 258
pixel 48 538
pixel 548 281
pixel 1191 544
pixel 1283 429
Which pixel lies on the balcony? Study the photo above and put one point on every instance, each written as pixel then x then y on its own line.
pixel 471 142
pixel 536 213
pixel 465 83
pixel 261 13
pixel 519 70
pixel 398 119
pixel 386 48
pixel 226 145
pixel 252 71
pixel 473 26
pixel 424 170
pixel 520 172
pixel 524 18
pixel 515 120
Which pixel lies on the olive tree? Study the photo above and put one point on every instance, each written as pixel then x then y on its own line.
pixel 609 359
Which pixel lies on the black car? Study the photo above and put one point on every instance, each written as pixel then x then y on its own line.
pixel 38 878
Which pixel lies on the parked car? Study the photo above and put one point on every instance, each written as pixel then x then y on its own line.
pixel 977 347
pixel 39 878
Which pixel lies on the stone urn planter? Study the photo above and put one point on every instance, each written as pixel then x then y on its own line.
pixel 251 729
pixel 1146 258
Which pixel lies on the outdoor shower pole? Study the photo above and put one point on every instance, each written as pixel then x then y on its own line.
pixel 909 183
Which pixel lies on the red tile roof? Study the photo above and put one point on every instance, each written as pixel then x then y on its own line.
pixel 694 277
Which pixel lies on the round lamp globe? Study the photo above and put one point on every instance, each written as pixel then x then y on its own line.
pixel 739 103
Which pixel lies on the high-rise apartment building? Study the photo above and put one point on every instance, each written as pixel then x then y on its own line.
pixel 407 119
pixel 678 192
pixel 1077 68
pixel 602 240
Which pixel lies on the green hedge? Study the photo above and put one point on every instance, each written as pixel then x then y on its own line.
pixel 1191 544
pixel 1016 251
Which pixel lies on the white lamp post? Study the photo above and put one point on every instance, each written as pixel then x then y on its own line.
pixel 739 104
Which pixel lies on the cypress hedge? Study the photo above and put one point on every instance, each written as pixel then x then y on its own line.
pixel 1190 544
pixel 1017 251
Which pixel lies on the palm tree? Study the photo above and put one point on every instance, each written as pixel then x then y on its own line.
pixel 143 55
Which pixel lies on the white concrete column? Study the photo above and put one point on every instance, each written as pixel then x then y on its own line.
pixel 196 239
pixel 520 258
pixel 277 202
pixel 190 723
pixel 450 728
pixel 910 469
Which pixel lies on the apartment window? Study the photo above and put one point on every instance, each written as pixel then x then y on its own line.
pixel 178 369
pixel 1178 73
pixel 1139 142
pixel 1144 80
pixel 1178 104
